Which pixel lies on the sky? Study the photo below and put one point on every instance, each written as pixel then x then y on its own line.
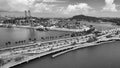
pixel 61 8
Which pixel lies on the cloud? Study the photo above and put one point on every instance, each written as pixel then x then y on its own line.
pixel 22 5
pixel 34 5
pixel 81 8
pixel 110 6
pixel 4 5
pixel 18 5
pixel 52 1
pixel 48 1
pixel 43 8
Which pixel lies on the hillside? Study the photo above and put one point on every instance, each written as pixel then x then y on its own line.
pixel 96 19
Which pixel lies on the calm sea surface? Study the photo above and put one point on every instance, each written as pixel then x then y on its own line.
pixel 102 56
pixel 14 35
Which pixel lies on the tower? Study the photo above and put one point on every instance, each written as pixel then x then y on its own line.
pixel 29 13
pixel 25 13
pixel 30 18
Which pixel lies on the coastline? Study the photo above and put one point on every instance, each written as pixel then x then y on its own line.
pixel 67 46
pixel 78 46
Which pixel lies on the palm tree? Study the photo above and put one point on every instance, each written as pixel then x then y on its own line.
pixel 6 43
pixel 29 39
pixel 9 42
pixel 1 62
pixel 42 38
pixel 34 39
pixel 24 41
pixel 19 41
pixel 16 42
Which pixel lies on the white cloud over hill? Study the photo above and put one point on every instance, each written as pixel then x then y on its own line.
pixel 61 7
pixel 79 8
pixel 110 6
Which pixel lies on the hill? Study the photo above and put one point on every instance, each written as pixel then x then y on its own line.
pixel 96 19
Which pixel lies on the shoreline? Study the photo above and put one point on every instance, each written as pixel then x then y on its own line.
pixel 78 46
pixel 34 57
pixel 38 43
pixel 63 44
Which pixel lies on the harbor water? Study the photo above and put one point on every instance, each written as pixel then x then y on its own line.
pixel 10 37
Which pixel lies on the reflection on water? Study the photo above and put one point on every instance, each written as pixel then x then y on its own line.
pixel 12 35
pixel 102 56
pixel 18 34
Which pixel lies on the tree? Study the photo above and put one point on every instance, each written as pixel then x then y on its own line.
pixel 1 62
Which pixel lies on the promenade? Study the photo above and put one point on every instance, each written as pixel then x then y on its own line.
pixel 14 56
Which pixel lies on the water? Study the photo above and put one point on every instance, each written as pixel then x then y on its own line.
pixel 102 56
pixel 19 34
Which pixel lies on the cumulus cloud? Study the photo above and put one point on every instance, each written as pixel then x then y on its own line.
pixel 42 7
pixel 110 6
pixel 18 5
pixel 52 1
pixel 3 5
pixel 78 8
pixel 49 0
pixel 22 5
